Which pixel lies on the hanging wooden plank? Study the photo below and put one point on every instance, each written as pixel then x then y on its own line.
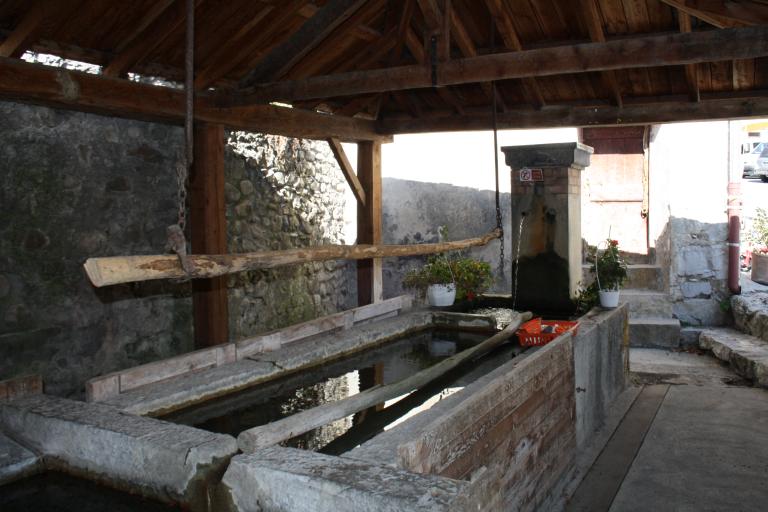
pixel 281 430
pixel 129 269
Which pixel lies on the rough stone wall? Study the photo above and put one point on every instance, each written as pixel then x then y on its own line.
pixel 413 211
pixel 689 178
pixel 284 193
pixel 76 185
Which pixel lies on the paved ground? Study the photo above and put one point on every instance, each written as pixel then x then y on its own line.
pixel 697 446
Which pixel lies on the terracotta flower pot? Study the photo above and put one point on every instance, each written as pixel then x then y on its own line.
pixel 760 268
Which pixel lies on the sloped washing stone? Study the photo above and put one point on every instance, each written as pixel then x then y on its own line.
pixel 155 458
pixel 15 460
pixel 747 354
pixel 654 332
pixel 287 479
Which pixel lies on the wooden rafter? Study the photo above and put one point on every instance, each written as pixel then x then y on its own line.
pixel 755 105
pixel 596 34
pixel 346 168
pixel 249 41
pixel 362 32
pixel 315 61
pixel 31 25
pixel 638 52
pixel 724 13
pixel 165 22
pixel 56 87
pixel 691 73
pixel 511 40
pixel 277 62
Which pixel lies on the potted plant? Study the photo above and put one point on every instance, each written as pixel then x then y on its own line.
pixel 446 279
pixel 437 278
pixel 759 238
pixel 610 273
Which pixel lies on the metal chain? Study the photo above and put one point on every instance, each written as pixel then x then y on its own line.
pixel 182 178
pixel 499 222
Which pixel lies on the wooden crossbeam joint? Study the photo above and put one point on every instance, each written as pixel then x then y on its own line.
pixel 347 170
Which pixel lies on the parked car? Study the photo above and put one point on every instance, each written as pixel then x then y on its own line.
pixel 762 165
pixel 750 160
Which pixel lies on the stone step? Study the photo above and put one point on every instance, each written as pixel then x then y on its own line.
pixel 647 303
pixel 654 332
pixel 750 314
pixel 639 276
pixel 747 355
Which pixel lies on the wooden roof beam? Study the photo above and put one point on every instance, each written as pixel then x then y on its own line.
pixel 608 115
pixel 596 34
pixel 363 32
pixel 154 34
pixel 639 52
pixel 32 25
pixel 724 13
pixel 511 40
pixel 691 73
pixel 282 58
pixel 61 88
pixel 246 43
pixel 346 168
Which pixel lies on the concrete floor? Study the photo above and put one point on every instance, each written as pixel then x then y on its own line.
pixel 699 444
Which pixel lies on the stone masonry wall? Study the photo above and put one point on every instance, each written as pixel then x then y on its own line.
pixel 414 211
pixel 74 185
pixel 689 179
pixel 284 193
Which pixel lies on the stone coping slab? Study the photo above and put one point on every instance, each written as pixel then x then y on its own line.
pixel 182 391
pixel 747 354
pixel 287 479
pixel 15 460
pixel 155 458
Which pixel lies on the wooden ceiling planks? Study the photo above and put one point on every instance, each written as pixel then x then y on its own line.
pixel 234 36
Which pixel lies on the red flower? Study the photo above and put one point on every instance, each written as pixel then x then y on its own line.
pixel 470 296
pixel 614 243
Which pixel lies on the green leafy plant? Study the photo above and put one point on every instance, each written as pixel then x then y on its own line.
pixel 610 272
pixel 471 276
pixel 758 236
pixel 609 269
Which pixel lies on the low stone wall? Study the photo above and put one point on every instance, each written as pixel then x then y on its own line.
pixel 601 365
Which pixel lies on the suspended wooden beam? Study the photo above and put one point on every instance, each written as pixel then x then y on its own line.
pixel 129 269
pixel 638 52
pixel 347 170
pixel 281 430
pixel 60 88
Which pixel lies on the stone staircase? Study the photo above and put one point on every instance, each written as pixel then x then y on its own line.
pixel 651 321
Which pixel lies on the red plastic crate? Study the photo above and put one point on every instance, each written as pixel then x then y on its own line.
pixel 530 334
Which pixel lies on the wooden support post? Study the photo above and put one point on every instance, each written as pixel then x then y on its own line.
pixel 369 279
pixel 209 233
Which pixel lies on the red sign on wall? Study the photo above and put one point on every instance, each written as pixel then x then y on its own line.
pixel 529 175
